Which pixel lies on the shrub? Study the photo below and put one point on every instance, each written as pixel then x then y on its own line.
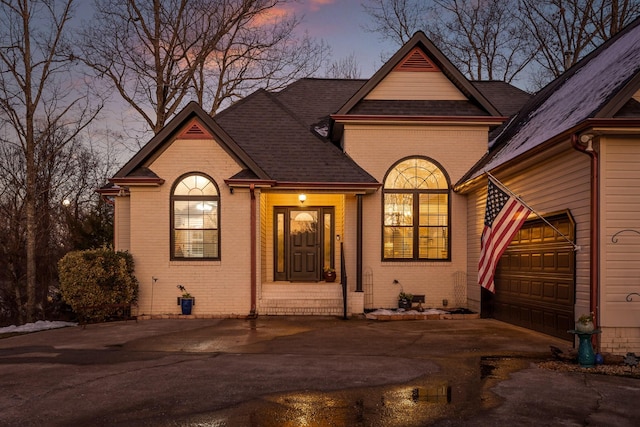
pixel 94 279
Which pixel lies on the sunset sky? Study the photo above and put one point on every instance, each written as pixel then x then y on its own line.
pixel 339 23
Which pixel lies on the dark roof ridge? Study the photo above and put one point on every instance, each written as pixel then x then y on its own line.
pixel 286 109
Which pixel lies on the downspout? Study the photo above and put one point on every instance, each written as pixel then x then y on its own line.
pixel 359 244
pixel 594 256
pixel 253 312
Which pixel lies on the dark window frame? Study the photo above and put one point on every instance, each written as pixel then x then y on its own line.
pixel 415 226
pixel 172 229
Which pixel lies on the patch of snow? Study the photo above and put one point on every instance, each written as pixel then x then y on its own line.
pixel 578 98
pixel 40 325
pixel 383 311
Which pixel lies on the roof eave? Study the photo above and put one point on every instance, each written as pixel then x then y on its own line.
pixel 596 125
pixel 357 187
pixel 137 181
pixel 488 120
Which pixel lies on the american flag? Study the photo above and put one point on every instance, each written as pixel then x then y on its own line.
pixel 503 218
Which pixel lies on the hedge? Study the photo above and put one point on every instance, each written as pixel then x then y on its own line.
pixel 93 281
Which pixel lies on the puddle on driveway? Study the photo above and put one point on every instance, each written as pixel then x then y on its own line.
pixel 458 392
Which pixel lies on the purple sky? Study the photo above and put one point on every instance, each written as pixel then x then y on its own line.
pixel 340 24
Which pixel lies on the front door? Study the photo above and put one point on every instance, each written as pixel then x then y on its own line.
pixel 304 245
pixel 303 242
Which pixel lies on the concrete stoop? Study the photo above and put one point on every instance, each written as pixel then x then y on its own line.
pixel 303 299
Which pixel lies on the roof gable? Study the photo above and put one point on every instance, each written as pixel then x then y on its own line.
pixel 429 66
pixel 191 123
pixel 194 130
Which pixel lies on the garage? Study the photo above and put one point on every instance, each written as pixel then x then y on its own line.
pixel 535 278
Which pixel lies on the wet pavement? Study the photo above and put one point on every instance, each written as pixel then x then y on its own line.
pixel 301 371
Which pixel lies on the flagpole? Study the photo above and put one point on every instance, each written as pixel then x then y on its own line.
pixel 505 188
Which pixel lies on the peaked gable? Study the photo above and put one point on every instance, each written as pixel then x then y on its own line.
pixel 431 66
pixel 416 77
pixel 191 123
pixel 194 130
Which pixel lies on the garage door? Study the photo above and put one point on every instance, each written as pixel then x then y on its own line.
pixel 535 278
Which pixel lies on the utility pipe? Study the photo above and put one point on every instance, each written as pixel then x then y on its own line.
pixel 252 190
pixel 594 253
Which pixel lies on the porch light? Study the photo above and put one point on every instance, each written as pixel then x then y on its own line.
pixel 302 197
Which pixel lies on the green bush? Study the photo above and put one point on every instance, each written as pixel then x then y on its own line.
pixel 94 279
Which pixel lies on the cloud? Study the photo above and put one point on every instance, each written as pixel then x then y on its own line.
pixel 315 5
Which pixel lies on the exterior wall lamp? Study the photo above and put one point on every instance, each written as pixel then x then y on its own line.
pixel 587 138
pixel 302 198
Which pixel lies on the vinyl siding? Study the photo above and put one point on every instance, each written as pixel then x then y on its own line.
pixel 549 186
pixel 620 208
pixel 399 85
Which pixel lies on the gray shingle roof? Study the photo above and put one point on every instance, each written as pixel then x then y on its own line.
pixel 417 108
pixel 282 143
pixel 312 99
pixel 506 98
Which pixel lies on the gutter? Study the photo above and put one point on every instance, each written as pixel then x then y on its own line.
pixel 594 252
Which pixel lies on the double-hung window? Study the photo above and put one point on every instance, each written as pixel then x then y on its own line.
pixel 416 211
pixel 195 212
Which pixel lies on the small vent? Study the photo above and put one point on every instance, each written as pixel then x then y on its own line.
pixel 194 131
pixel 416 60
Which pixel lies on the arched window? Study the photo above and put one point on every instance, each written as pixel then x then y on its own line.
pixel 416 211
pixel 195 213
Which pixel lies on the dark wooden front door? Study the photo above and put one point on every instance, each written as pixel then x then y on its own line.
pixel 535 279
pixel 304 244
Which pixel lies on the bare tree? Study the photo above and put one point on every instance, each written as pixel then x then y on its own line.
pixel 567 30
pixel 396 20
pixel 158 54
pixel 345 68
pixel 38 99
pixel 610 16
pixel 563 30
pixel 482 39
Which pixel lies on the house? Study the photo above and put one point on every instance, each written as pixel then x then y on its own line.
pixel 384 181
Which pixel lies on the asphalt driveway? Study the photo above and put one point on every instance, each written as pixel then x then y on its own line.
pixel 275 371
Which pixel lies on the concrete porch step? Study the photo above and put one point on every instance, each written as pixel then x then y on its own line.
pixel 301 299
